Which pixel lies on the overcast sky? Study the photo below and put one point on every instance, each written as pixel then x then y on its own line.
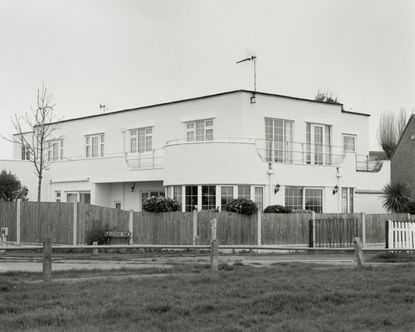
pixel 129 53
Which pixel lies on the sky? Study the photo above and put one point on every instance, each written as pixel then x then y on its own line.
pixel 131 53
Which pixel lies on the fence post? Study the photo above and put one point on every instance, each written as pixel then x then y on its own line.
pixel 131 226
pixel 47 259
pixel 312 230
pixel 75 224
pixel 18 239
pixel 358 251
pixel 194 227
pixel 95 251
pixel 213 247
pixel 388 237
pixel 363 218
pixel 259 226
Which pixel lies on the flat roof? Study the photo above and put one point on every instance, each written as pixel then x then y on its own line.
pixel 209 96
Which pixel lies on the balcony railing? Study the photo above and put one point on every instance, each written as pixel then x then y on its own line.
pixel 145 160
pixel 368 164
pixel 299 153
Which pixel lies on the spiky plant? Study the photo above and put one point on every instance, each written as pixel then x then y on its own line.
pixel 396 197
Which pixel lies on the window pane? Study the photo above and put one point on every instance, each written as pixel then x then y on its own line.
pixel 149 143
pixel 94 146
pixel 259 198
pixel 200 131
pixel 149 131
pixel 190 125
pixel 349 144
pixel 294 198
pixel 351 200
pixel 141 140
pixel 208 197
pixel 226 196
pixel 209 135
pixel 133 145
pixel 209 123
pixel 244 192
pixel 177 194
pixel 344 200
pixel 191 198
pixel 314 200
pixel 190 136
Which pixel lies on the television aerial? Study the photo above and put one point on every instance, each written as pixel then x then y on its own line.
pixel 253 59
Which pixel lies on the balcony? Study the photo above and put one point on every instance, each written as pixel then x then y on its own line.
pixel 145 160
pixel 299 153
pixel 368 164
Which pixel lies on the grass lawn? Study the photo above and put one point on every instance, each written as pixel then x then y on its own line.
pixel 284 297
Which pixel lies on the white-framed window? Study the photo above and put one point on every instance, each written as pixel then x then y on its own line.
pixel 78 197
pixel 279 140
pixel 141 140
pixel 25 152
pixel 226 196
pixel 259 197
pixel 117 205
pixel 244 192
pixel 347 200
pixel 349 143
pixel 55 149
pixel 201 130
pixel 191 199
pixel 177 194
pixel 208 197
pixel 300 198
pixel 58 196
pixel 94 146
pixel 319 149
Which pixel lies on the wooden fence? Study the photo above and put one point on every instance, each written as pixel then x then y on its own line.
pixel 400 234
pixel 28 222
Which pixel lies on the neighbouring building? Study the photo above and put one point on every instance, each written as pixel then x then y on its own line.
pixel 205 151
pixel 403 158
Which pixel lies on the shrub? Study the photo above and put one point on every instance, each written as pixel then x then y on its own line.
pixel 242 206
pixel 397 196
pixel 96 232
pixel 277 209
pixel 160 204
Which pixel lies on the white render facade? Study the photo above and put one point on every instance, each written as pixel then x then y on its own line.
pixel 205 151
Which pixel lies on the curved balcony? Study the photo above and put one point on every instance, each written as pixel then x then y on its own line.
pixel 223 160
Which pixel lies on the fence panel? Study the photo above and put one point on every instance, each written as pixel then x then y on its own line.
pixel 110 218
pixel 284 229
pixel 375 227
pixel 8 218
pixel 162 228
pixel 37 217
pixel 232 228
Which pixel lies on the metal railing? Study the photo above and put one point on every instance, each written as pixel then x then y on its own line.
pixel 145 160
pixel 299 153
pixel 368 164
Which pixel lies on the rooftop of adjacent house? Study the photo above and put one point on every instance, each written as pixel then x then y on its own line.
pixel 211 96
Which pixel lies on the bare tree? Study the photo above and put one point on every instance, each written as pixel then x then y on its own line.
pixel 390 129
pixel 34 143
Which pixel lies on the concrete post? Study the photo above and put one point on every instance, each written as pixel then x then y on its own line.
pixel 131 226
pixel 363 218
pixel 18 229
pixel 358 251
pixel 195 227
pixel 75 224
pixel 259 226
pixel 47 260
pixel 213 247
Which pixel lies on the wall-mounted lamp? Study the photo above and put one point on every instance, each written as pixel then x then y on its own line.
pixel 277 188
pixel 253 99
pixel 132 187
pixel 335 189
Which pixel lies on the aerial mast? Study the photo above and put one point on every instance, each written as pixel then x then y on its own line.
pixel 253 59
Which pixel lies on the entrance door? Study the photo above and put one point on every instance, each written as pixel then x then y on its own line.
pixel 72 198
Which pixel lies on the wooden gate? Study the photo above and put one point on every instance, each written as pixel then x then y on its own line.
pixel 333 232
pixel 400 234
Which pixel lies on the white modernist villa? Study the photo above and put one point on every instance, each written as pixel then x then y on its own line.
pixel 204 151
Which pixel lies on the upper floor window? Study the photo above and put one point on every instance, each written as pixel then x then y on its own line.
pixel 141 140
pixel 55 150
pixel 279 137
pixel 319 149
pixel 94 146
pixel 25 152
pixel 201 130
pixel 349 143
